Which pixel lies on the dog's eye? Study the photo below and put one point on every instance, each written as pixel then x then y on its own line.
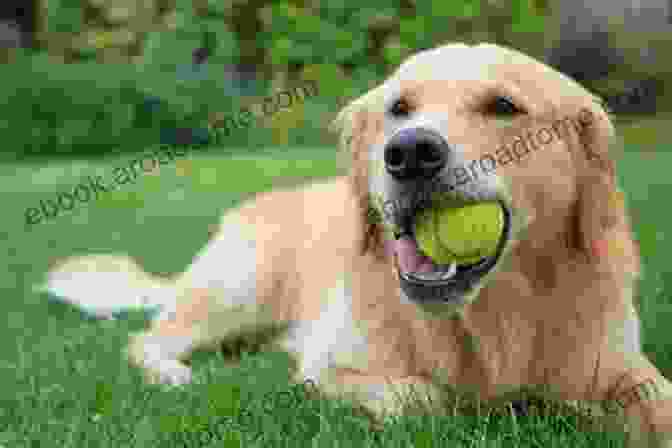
pixel 503 106
pixel 400 108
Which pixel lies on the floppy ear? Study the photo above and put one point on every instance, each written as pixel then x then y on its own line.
pixel 356 124
pixel 602 224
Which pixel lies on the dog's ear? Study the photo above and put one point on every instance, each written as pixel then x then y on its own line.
pixel 601 221
pixel 357 124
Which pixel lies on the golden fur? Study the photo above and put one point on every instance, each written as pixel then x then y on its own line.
pixel 557 312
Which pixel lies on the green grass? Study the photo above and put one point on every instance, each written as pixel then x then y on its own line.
pixel 65 382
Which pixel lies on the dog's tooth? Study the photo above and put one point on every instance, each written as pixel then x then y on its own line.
pixel 452 270
pixel 429 276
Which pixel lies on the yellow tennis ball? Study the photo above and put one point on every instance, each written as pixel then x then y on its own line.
pixel 463 234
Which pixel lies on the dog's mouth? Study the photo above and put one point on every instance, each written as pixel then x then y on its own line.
pixel 423 280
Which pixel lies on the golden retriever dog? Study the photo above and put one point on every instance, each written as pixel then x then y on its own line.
pixel 333 269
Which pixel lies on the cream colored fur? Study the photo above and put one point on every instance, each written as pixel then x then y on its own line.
pixel 552 315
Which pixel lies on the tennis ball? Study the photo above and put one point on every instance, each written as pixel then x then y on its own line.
pixel 463 234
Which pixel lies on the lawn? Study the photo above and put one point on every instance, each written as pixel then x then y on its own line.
pixel 65 382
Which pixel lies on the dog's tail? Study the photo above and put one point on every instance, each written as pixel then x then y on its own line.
pixel 105 285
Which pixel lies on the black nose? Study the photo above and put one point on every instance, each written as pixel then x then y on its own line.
pixel 415 154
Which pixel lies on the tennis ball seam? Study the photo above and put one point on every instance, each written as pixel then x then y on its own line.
pixel 435 235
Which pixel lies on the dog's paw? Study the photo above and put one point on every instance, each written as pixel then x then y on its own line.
pixel 169 373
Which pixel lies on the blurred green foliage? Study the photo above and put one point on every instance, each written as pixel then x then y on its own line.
pixel 347 46
pixel 64 16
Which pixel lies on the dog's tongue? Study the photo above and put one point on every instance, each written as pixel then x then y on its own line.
pixel 409 257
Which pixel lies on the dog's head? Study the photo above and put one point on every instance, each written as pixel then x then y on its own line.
pixel 479 124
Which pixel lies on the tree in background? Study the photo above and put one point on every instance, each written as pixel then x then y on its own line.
pixel 618 48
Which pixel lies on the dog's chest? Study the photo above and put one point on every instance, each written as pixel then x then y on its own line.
pixel 365 326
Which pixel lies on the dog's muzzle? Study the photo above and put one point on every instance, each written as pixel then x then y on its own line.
pixel 415 159
pixel 423 280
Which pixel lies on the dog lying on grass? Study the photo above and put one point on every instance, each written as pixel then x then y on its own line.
pixel 367 315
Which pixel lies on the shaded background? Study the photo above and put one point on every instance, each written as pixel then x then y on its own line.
pixel 104 76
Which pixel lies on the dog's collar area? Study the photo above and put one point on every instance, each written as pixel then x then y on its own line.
pixel 449 283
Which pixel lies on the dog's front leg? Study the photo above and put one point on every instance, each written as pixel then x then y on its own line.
pixel 333 353
pixel 638 392
pixel 646 401
pixel 380 396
